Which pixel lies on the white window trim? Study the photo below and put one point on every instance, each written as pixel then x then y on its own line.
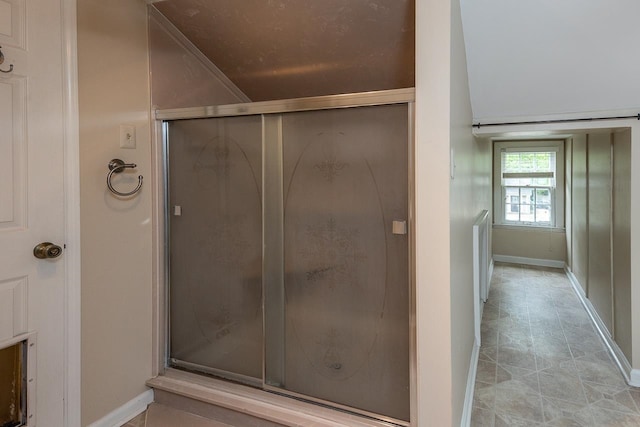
pixel 529 145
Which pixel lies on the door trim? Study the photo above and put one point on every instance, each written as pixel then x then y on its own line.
pixel 72 326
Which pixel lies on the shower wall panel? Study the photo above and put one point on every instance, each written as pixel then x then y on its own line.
pixel 345 272
pixel 215 217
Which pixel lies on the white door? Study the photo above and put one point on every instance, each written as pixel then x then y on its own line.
pixel 32 291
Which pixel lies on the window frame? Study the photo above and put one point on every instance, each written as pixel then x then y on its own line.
pixel 557 193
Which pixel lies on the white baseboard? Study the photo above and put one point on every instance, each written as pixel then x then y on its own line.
pixel 574 281
pixel 529 261
pixel 126 412
pixel 612 347
pixel 491 264
pixel 634 378
pixel 465 421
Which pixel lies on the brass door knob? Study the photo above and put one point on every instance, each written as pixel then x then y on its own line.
pixel 46 250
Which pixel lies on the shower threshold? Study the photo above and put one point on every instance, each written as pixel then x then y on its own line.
pixel 230 402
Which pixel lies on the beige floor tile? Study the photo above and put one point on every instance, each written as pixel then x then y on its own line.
pixel 543 363
pixel 164 416
pixel 138 421
pixel 482 417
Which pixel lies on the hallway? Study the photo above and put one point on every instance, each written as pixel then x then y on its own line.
pixel 541 360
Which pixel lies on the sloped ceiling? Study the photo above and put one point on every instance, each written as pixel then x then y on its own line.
pixel 278 49
pixel 551 57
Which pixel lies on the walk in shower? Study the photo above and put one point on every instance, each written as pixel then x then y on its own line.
pixel 289 248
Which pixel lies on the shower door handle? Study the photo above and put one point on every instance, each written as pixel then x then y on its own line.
pixel 399 227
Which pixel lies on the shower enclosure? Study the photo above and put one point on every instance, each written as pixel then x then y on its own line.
pixel 288 247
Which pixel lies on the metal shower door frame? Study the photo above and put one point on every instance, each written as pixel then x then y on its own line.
pixel 273 240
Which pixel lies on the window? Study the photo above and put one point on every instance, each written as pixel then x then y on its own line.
pixel 529 183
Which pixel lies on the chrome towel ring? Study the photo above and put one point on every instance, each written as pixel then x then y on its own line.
pixel 117 166
pixel 2 60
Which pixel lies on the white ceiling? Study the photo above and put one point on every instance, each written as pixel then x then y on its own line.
pixel 541 57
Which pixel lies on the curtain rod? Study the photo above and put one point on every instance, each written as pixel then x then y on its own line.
pixel 538 122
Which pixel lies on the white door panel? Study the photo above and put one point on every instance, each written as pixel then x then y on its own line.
pixel 32 291
pixel 12 19
pixel 12 152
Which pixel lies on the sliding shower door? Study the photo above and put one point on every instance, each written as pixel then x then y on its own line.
pixel 295 221
pixel 215 220
pixel 345 271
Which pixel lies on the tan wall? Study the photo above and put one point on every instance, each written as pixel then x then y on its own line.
pixel 601 232
pixel 181 76
pixel 443 254
pixel 530 243
pixel 622 240
pixel 635 244
pixel 114 65
pixel 568 208
pixel 116 234
pixel 579 262
pixel 599 220
pixel 470 193
pixel 433 295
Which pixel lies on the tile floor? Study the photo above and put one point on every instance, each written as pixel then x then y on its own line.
pixel 541 361
pixel 163 416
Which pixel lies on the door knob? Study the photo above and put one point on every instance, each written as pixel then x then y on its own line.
pixel 46 250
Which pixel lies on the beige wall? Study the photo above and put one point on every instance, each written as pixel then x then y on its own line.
pixel 599 224
pixel 622 240
pixel 433 295
pixel 443 255
pixel 114 65
pixel 568 189
pixel 530 243
pixel 470 193
pixel 116 234
pixel 601 232
pixel 635 244
pixel 181 75
pixel 579 262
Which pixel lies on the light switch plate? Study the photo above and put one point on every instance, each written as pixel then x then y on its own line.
pixel 127 136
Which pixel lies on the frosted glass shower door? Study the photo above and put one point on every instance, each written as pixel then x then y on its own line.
pixel 215 229
pixel 346 283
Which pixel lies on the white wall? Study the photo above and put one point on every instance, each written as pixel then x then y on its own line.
pixel 116 234
pixel 549 57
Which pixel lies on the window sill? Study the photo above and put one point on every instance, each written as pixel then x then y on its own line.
pixel 530 227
